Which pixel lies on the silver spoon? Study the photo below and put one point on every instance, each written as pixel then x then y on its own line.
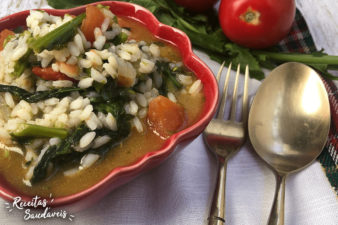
pixel 288 124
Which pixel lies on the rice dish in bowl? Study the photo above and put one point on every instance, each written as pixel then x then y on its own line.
pixel 78 100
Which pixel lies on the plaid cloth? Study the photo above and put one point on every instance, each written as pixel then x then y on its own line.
pixel 300 40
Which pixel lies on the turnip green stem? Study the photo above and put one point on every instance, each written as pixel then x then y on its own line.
pixel 31 130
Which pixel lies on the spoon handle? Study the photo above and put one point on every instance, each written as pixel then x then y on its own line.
pixel 217 209
pixel 277 211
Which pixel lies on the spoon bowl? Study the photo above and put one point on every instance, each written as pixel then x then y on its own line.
pixel 289 123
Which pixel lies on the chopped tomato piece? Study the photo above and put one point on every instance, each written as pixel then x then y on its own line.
pixel 164 116
pixel 94 18
pixel 49 74
pixel 3 35
pixel 68 69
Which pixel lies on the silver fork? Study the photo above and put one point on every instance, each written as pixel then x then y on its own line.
pixel 224 137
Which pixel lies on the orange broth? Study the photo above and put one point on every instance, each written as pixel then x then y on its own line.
pixel 132 149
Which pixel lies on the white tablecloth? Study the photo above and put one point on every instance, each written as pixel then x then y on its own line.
pixel 179 191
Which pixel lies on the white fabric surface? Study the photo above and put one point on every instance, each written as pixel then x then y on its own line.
pixel 179 191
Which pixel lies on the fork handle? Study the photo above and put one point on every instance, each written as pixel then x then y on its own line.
pixel 217 209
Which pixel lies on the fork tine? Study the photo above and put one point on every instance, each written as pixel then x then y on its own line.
pixel 234 96
pixel 245 95
pixel 221 110
pixel 220 72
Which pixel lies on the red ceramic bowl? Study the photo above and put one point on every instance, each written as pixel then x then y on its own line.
pixel 124 174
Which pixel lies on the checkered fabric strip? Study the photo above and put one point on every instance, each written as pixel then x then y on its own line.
pixel 300 40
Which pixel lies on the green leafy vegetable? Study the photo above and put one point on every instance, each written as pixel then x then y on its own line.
pixel 31 130
pixel 206 34
pixel 57 37
pixel 111 98
pixel 66 146
pixel 22 64
pixel 168 77
pixel 120 38
pixel 65 153
pixel 39 95
pixel 40 171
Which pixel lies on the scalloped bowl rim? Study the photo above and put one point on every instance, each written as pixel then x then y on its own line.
pixel 188 58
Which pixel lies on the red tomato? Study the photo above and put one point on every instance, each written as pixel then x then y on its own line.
pixel 49 74
pixel 94 18
pixel 3 35
pixel 256 23
pixel 196 5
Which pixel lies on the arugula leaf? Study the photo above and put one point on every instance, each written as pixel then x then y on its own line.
pixel 39 95
pixel 243 56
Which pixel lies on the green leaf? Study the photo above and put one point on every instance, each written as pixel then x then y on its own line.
pixel 120 38
pixel 66 4
pixel 40 171
pixel 39 95
pixel 243 56
pixel 58 36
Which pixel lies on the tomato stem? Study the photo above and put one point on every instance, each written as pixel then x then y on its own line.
pixel 249 16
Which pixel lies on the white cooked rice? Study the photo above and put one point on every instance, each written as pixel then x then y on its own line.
pixel 126 61
pixel 79 43
pixel 142 113
pixel 87 139
pixel 97 76
pixel 99 42
pixel 85 114
pixel 72 60
pixel 54 141
pixel 86 82
pixel 77 103
pixel 146 66
pixel 184 79
pixel 196 87
pixel 62 83
pixel 73 49
pixel 94 58
pixel 137 124
pixel 51 101
pixel 110 122
pixel 141 100
pixel 101 140
pixel 172 97
pixel 9 100
pixel 154 50
pixel 93 122
pixel 88 160
pixel 105 24
pixel 71 172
